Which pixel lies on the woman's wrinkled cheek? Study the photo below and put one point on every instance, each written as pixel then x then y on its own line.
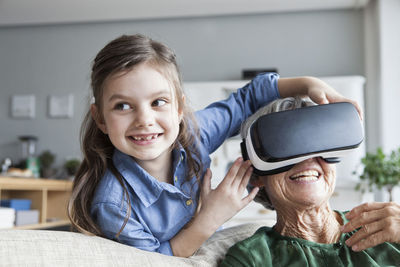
pixel 275 186
pixel 330 176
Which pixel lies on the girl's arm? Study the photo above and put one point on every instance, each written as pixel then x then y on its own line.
pixel 316 89
pixel 222 119
pixel 213 211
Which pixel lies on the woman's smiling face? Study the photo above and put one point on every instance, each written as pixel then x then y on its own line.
pixel 308 183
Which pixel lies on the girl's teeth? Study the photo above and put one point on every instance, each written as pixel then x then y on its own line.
pixel 149 137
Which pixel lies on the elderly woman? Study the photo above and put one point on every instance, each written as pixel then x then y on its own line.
pixel 308 232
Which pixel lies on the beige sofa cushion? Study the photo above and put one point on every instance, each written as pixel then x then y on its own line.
pixel 215 248
pixel 57 248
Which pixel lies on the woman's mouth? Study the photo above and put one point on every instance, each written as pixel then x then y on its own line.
pixel 305 176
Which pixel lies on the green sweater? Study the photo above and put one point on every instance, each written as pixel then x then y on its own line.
pixel 268 248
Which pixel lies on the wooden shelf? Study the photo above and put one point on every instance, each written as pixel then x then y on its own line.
pixel 48 196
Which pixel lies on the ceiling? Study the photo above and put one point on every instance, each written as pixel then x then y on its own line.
pixel 33 12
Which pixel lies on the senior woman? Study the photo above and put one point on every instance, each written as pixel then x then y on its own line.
pixel 308 232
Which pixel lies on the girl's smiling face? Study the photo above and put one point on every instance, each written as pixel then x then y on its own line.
pixel 140 113
pixel 309 183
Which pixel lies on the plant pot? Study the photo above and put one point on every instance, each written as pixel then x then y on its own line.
pixel 48 173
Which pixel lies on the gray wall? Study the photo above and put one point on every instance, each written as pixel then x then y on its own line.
pixel 55 59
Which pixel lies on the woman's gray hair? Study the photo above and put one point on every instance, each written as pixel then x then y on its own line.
pixel 282 104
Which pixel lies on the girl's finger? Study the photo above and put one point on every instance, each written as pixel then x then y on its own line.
pixel 364 232
pixel 318 97
pixel 240 175
pixel 359 110
pixel 247 199
pixel 206 188
pixel 230 176
pixel 355 104
pixel 340 98
pixel 246 179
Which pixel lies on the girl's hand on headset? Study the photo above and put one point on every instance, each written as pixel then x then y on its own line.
pixel 222 203
pixel 316 89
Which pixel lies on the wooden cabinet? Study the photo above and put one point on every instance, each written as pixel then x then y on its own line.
pixel 50 197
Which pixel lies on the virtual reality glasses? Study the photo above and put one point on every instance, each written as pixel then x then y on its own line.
pixel 277 141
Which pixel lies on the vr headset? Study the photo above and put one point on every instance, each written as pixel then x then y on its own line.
pixel 277 141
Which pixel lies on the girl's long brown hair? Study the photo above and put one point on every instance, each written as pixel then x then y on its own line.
pixel 119 56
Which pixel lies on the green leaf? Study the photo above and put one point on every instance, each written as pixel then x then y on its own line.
pixel 379 169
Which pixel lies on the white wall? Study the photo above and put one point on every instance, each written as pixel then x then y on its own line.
pixel 382 56
pixel 389 11
pixel 28 12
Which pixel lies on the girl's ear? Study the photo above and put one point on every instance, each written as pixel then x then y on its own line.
pixel 97 118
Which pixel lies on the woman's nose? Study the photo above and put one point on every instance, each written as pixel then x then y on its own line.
pixel 313 159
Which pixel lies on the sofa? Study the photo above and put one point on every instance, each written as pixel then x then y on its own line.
pixel 59 248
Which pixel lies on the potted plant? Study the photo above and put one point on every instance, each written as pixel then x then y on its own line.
pixel 381 171
pixel 46 159
pixel 71 166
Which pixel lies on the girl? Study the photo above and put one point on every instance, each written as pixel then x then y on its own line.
pixel 146 156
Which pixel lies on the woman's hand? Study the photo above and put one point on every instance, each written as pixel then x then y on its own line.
pixel 318 91
pixel 379 222
pixel 222 203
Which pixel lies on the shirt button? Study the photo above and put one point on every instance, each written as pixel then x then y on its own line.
pixel 176 179
pixel 189 202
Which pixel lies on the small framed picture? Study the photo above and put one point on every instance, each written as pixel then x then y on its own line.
pixel 23 106
pixel 61 106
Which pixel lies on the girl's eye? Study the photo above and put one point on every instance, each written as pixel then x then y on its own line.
pixel 122 106
pixel 159 102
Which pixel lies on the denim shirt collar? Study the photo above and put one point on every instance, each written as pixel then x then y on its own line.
pixel 147 188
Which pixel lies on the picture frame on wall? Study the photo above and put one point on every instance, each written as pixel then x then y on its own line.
pixel 23 106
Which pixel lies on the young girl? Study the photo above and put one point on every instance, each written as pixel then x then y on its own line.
pixel 146 156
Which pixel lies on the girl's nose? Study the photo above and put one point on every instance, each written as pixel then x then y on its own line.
pixel 144 118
